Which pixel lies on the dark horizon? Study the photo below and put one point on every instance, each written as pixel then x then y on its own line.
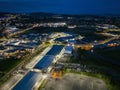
pixel 105 14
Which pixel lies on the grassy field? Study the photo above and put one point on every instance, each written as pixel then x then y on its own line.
pixel 7 65
pixel 112 54
pixel 107 71
pixel 43 85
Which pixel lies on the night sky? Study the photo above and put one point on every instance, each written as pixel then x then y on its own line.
pixel 61 6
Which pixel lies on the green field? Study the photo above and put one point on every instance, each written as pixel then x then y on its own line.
pixel 100 68
pixel 112 54
pixel 7 65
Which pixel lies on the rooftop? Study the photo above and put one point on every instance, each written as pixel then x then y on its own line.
pixel 44 63
pixel 55 50
pixel 28 82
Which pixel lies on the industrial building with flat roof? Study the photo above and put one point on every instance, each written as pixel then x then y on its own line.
pixel 49 58
pixel 44 63
pixel 68 49
pixel 55 50
pixel 29 81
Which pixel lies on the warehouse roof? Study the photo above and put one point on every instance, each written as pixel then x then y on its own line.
pixel 44 63
pixel 28 82
pixel 68 49
pixel 55 50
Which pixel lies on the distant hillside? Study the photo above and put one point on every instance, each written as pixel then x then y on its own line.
pixel 42 14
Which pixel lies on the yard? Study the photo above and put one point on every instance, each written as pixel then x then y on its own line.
pixel 72 81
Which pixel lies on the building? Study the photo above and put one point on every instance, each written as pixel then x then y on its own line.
pixel 44 63
pixel 29 82
pixel 68 49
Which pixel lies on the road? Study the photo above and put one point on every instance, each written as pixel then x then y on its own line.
pixel 19 66
pixel 18 76
pixel 21 31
